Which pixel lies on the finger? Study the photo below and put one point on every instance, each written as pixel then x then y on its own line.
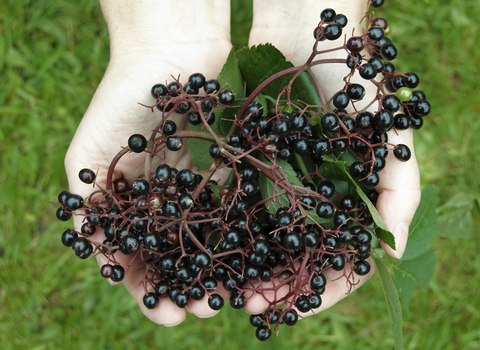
pixel 339 286
pixel 260 302
pixel 399 193
pixel 201 309
pixel 166 313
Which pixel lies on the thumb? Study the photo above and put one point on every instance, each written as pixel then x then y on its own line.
pixel 399 193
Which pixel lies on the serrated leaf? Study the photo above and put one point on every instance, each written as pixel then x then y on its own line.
pixel 267 188
pixel 258 63
pixel 424 226
pixel 291 174
pixel 413 274
pixel 393 303
pixel 231 79
pixel 230 76
pixel 336 170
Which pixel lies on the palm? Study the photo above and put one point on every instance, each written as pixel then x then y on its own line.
pixel 399 187
pixel 112 117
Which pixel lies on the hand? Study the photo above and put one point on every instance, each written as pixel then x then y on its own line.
pixel 289 27
pixel 150 42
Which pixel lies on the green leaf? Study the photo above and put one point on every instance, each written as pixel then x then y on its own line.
pixel 199 151
pixel 413 274
pixel 336 170
pixel 393 303
pixel 230 78
pixel 424 226
pixel 226 116
pixel 291 174
pixel 216 191
pixel 267 188
pixel 455 217
pixel 258 63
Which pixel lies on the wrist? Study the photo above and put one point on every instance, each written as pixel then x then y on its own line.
pixel 152 26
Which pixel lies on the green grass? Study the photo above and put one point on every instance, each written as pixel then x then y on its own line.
pixel 53 55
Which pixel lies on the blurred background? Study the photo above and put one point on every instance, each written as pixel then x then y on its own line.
pixel 52 57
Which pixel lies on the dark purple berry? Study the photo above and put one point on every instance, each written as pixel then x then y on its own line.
pixel 356 91
pixel 226 97
pixel 150 300
pixel 421 108
pixel 332 31
pixel 159 90
pixel 318 282
pixel 62 214
pixel 215 302
pixel 263 333
pixel 328 15
pixel 169 127
pixel 367 71
pixel 354 60
pixel 341 99
pixel 140 187
pixel 383 121
pixel 402 152
pixel 174 143
pixel 137 143
pixel 86 176
pixel 329 122
pixel 196 80
pixel 355 44
pixel 388 52
pixel 376 3
pixel 391 103
pixel 361 267
pixel 325 210
pixel 326 188
pixel 375 33
pixel 211 86
pixel 411 80
pixel 73 202
pixel 290 318
pixel 118 273
pixel 68 237
pixel 341 20
pixel 401 122
pixel 292 240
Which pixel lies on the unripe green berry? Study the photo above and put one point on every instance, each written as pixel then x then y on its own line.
pixel 404 94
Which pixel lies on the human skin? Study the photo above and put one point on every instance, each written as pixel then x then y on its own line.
pixel 152 40
pixel 288 25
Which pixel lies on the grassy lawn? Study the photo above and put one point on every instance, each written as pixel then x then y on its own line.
pixel 52 57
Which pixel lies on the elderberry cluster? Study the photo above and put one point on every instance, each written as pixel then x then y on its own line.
pixel 289 211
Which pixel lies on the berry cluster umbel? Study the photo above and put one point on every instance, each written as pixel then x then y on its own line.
pixel 280 221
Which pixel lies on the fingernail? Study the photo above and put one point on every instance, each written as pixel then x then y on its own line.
pixel 401 235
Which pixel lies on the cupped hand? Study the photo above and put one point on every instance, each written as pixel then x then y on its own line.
pixel 150 43
pixel 289 27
